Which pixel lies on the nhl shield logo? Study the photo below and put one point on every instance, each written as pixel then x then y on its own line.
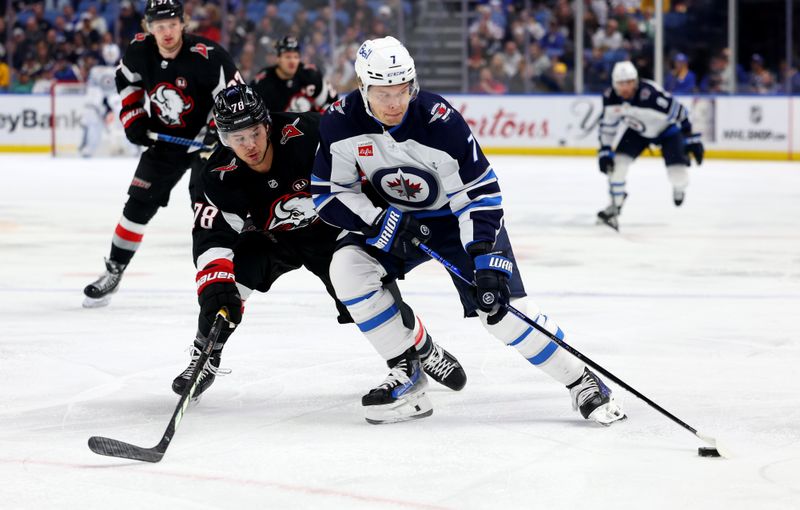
pixel 290 131
pixel 756 114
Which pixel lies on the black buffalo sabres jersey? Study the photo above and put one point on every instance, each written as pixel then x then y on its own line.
pixel 231 197
pixel 177 94
pixel 306 91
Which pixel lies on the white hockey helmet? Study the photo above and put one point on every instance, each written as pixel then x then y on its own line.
pixel 382 62
pixel 624 71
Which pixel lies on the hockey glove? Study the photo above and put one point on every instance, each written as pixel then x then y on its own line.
pixel 393 232
pixel 135 123
pixel 606 156
pixel 694 146
pixel 216 288
pixel 492 271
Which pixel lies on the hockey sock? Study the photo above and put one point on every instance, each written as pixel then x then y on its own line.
pixel 130 230
pixel 534 346
pixel 678 176
pixel 356 277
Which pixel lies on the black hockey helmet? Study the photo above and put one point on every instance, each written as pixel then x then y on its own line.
pixel 163 9
pixel 239 107
pixel 287 43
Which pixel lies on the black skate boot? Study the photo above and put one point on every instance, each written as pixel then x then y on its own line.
pixel 593 399
pixel 678 197
pixel 401 397
pixel 98 293
pixel 610 215
pixel 210 371
pixel 441 366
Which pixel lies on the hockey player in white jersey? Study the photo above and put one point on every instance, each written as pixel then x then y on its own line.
pixel 652 117
pixel 103 99
pixel 431 182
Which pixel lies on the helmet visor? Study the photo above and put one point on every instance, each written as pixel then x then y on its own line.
pixel 246 138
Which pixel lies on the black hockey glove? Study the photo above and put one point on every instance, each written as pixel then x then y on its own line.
pixel 606 156
pixel 393 232
pixel 694 145
pixel 135 123
pixel 492 271
pixel 216 288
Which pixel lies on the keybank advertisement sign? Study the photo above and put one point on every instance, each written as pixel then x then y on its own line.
pixel 742 126
pixel 25 121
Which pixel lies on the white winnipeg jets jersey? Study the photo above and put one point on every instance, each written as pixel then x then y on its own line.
pixel 650 112
pixel 428 165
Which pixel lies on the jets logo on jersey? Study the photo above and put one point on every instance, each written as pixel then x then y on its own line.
pixel 290 131
pixel 365 150
pixel 407 186
pixel 291 212
pixel 440 111
pixel 201 49
pixel 171 104
pixel 226 168
pixel 644 95
pixel 404 187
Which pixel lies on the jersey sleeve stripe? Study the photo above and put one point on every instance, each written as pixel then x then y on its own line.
pixel 213 254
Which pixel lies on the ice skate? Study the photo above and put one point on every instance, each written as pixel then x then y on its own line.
pixel 609 216
pixel 442 366
pixel 678 197
pixel 98 293
pixel 210 372
pixel 593 399
pixel 401 397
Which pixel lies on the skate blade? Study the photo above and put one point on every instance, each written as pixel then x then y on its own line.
pixel 96 302
pixel 613 225
pixel 407 409
pixel 607 414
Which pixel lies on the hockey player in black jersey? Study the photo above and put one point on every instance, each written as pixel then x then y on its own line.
pixel 289 86
pixel 652 117
pixel 418 153
pixel 255 221
pixel 167 81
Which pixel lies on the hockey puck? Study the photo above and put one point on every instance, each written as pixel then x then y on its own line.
pixel 707 451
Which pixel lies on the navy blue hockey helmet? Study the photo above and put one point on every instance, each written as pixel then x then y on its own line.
pixel 163 9
pixel 287 43
pixel 239 107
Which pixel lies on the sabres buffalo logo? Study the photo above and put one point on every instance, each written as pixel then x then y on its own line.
pixel 171 104
pixel 291 212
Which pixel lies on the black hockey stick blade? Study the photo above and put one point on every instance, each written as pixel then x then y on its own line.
pixel 115 448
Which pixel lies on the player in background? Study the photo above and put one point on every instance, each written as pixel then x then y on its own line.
pixel 289 86
pixel 167 81
pixel 101 109
pixel 421 157
pixel 255 221
pixel 652 117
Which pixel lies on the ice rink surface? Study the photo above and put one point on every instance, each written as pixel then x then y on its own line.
pixel 697 307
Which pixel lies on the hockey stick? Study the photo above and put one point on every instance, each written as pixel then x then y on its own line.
pixel 703 437
pixel 160 137
pixel 115 448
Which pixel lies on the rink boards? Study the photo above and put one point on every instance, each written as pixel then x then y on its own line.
pixel 733 127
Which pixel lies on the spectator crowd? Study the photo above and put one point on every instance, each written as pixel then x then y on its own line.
pixel 513 46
